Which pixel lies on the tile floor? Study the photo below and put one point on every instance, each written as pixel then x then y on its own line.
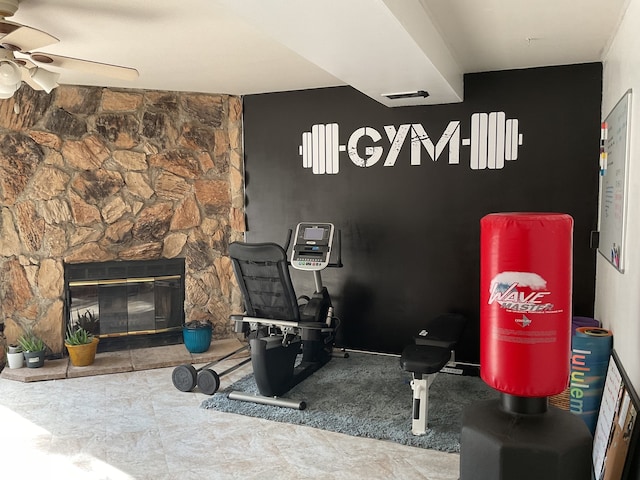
pixel 136 425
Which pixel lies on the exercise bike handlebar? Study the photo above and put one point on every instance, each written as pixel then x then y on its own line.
pixel 338 263
pixel 287 243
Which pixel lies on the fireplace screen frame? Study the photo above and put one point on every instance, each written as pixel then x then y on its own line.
pixel 127 303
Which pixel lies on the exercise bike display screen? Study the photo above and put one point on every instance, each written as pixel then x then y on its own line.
pixel 312 246
pixel 314 233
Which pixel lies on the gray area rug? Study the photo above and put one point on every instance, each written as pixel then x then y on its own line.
pixel 368 395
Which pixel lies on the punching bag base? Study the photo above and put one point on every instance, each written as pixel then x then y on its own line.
pixel 499 445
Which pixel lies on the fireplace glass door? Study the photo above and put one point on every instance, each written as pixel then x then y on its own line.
pixel 119 299
pixel 127 306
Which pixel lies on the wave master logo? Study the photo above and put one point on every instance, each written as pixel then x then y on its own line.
pixel 494 140
pixel 520 292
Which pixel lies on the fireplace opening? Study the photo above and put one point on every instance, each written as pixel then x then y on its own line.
pixel 127 304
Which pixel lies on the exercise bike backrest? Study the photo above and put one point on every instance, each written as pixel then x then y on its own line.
pixel 262 269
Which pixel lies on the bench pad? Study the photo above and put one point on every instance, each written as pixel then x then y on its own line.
pixel 423 361
pixel 442 331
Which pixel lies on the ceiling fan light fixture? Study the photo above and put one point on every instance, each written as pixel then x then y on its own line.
pixel 44 78
pixel 7 91
pixel 8 7
pixel 9 73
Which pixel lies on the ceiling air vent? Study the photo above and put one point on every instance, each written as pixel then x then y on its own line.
pixel 401 95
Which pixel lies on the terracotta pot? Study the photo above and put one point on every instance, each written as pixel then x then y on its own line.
pixel 83 355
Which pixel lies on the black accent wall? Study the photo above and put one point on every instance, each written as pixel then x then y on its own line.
pixel 410 233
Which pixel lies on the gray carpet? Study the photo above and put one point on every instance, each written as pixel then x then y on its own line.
pixel 368 396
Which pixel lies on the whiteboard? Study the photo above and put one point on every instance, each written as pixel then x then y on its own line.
pixel 614 164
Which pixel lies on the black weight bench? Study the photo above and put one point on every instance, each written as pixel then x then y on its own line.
pixel 432 350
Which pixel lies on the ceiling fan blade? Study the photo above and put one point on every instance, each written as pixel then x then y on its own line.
pixel 23 38
pixel 7 27
pixel 24 62
pixel 115 71
pixel 26 78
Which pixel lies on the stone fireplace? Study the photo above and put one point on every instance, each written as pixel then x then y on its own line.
pixel 93 175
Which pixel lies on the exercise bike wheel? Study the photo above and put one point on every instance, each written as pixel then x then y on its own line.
pixel 208 381
pixel 184 377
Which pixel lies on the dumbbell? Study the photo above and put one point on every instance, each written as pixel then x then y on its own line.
pixel 186 377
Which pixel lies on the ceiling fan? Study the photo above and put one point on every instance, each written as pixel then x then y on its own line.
pixel 18 61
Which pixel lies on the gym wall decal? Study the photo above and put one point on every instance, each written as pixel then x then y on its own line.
pixel 494 140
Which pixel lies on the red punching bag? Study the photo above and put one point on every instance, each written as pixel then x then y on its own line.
pixel 525 302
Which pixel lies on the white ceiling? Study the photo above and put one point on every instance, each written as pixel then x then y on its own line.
pixel 378 46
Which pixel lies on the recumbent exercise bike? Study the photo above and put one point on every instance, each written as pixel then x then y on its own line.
pixel 289 337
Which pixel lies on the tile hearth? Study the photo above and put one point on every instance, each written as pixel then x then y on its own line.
pixel 124 361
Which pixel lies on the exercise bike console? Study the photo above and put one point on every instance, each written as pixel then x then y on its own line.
pixel 312 246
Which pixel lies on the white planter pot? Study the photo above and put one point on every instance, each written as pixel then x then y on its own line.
pixel 15 360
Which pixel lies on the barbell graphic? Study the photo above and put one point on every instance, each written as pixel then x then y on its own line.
pixel 320 149
pixel 494 140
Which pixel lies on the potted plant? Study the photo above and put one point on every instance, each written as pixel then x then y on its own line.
pixel 89 321
pixel 33 348
pixel 81 345
pixel 197 335
pixel 15 356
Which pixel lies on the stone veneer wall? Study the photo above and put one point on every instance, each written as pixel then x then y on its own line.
pixel 93 174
